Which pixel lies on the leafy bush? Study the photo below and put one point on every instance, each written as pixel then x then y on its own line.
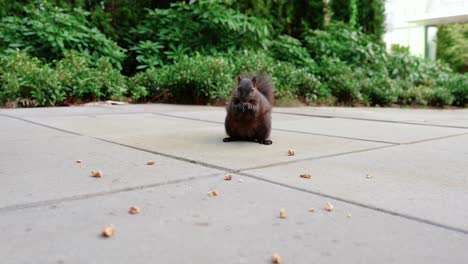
pixel 286 48
pixel 414 95
pixel 440 96
pixel 23 77
pixel 415 69
pixel 76 76
pixel 381 90
pixel 457 84
pixel 87 80
pixel 349 45
pixel 452 46
pixel 47 31
pixel 204 26
pixel 344 83
pixel 397 48
pixel 190 80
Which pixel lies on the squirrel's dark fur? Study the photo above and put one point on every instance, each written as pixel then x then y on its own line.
pixel 249 110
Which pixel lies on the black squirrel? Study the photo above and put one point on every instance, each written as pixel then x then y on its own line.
pixel 249 110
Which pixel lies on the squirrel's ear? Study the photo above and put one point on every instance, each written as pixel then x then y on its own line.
pixel 238 78
pixel 254 80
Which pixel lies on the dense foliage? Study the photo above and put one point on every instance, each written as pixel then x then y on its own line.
pixel 368 15
pixel 452 45
pixel 48 31
pixel 191 52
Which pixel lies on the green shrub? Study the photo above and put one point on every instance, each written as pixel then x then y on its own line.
pixel 23 77
pixel 397 48
pixel 47 31
pixel 457 84
pixel 349 45
pixel 252 61
pixel 87 80
pixel 440 96
pixel 196 79
pixel 381 90
pixel 146 84
pixel 414 95
pixel 452 45
pixel 286 48
pixel 292 82
pixel 415 69
pixel 344 83
pixel 206 26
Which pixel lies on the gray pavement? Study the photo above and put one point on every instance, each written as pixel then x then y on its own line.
pixel 397 178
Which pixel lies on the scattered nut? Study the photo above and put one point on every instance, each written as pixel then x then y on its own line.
pixel 368 176
pixel 282 213
pixel 79 161
pixel 108 231
pixel 311 210
pixel 227 177
pixel 213 193
pixel 348 215
pixel 134 210
pixel 291 152
pixel 240 180
pixel 306 176
pixel 329 207
pixel 276 259
pixel 150 162
pixel 97 173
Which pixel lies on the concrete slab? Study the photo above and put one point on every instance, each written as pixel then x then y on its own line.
pixel 442 117
pixel 202 141
pixel 16 130
pixel 42 167
pixel 62 111
pixel 395 133
pixel 426 180
pixel 181 224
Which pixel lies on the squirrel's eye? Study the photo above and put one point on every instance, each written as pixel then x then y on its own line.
pixel 251 89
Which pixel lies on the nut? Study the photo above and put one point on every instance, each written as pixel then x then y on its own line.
pixel 227 177
pixel 79 161
pixel 213 193
pixel 311 210
pixel 97 173
pixel 291 152
pixel 282 213
pixel 276 259
pixel 108 231
pixel 348 215
pixel 150 162
pixel 134 210
pixel 329 207
pixel 306 176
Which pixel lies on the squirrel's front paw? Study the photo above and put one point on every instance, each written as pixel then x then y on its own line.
pixel 239 108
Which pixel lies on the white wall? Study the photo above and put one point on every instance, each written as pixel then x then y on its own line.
pixel 406 20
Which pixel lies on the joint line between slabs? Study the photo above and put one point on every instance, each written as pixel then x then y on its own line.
pixel 374 120
pixel 358 204
pixel 286 130
pixel 10 208
pixel 413 218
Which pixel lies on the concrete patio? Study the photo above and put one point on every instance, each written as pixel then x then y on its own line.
pixel 398 180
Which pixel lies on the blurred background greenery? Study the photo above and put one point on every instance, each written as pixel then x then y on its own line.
pixel 318 52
